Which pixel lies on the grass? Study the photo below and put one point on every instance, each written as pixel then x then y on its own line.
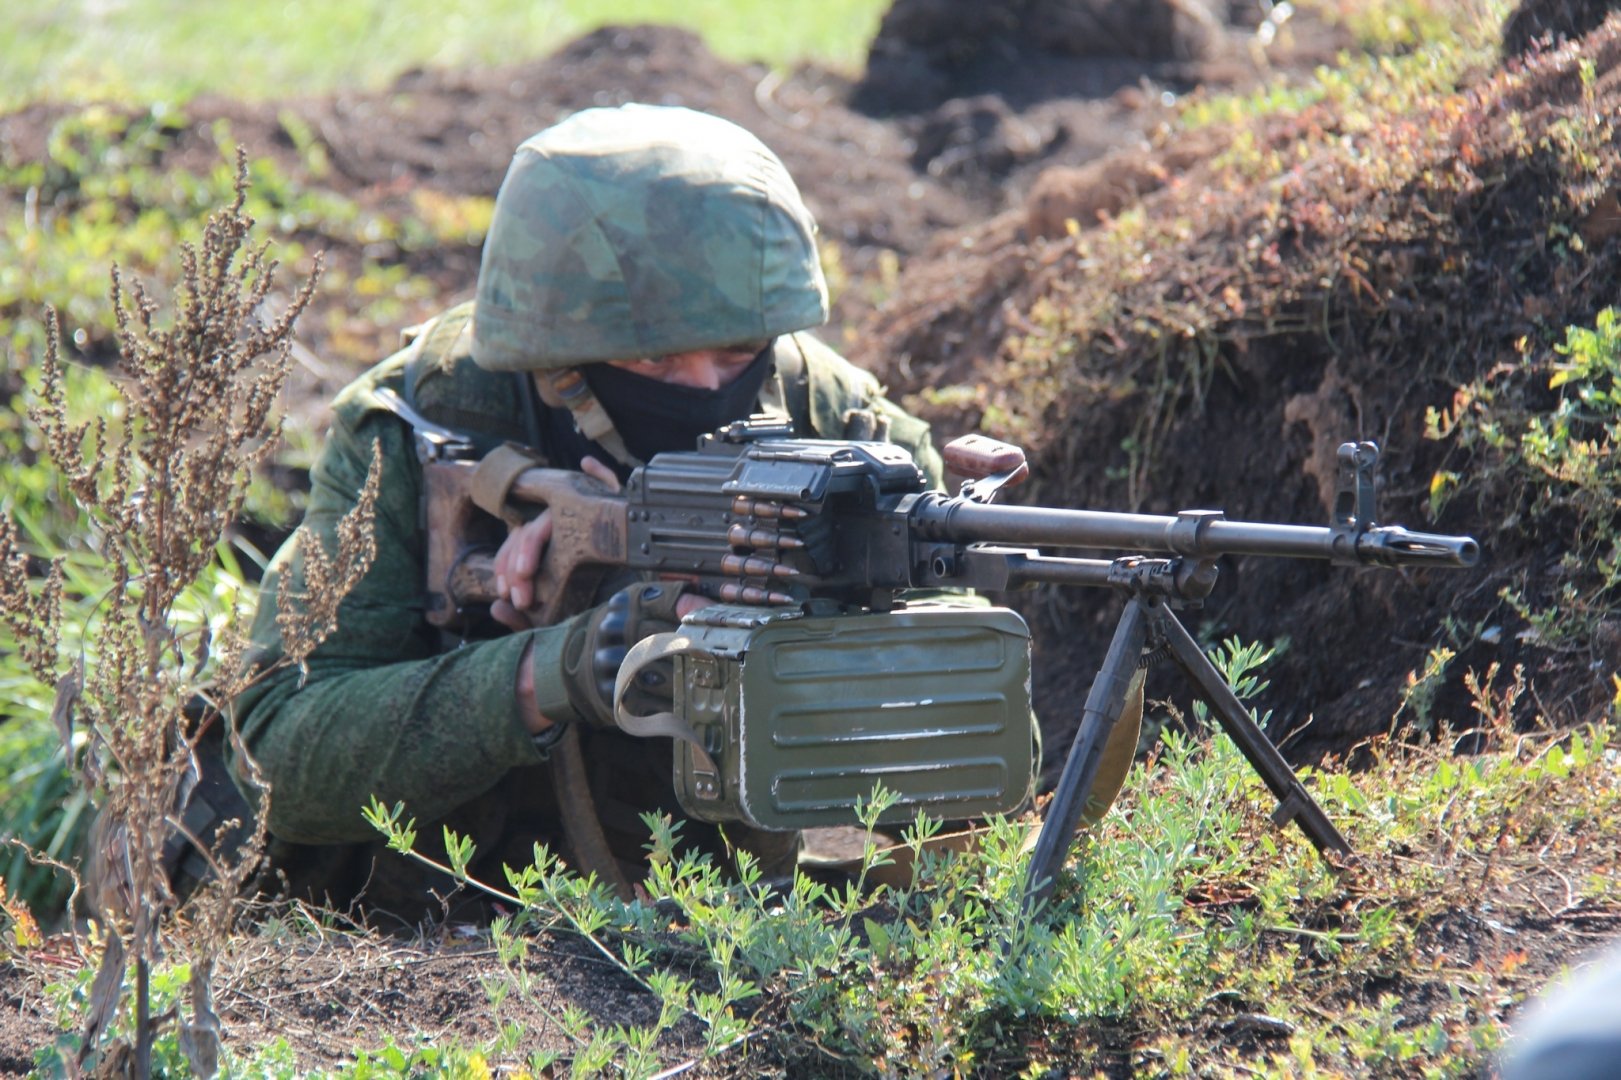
pixel 1399 26
pixel 140 51
pixel 1189 937
pixel 107 191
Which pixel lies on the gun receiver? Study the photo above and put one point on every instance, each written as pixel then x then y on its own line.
pixel 758 519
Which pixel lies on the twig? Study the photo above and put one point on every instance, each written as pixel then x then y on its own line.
pixel 765 92
pixel 41 859
pixel 308 360
pixel 1571 903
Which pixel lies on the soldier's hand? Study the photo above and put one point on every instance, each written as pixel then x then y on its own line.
pixel 520 557
pixel 598 643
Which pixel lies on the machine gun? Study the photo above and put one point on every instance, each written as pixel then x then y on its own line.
pixel 819 672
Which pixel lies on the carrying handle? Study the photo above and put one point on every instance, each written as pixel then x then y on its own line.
pixel 988 464
pixel 650 650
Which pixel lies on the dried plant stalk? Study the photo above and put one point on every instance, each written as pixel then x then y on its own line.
pixel 160 490
pixel 307 604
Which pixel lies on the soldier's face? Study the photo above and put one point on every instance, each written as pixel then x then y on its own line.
pixel 703 369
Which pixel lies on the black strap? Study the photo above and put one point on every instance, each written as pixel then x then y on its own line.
pixel 529 403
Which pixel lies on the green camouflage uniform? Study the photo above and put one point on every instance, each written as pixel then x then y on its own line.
pixel 385 710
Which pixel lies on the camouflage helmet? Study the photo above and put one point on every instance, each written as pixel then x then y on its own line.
pixel 639 231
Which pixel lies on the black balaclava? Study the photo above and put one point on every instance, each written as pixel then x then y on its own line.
pixel 654 416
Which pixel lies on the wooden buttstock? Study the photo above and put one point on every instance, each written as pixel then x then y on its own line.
pixel 589 535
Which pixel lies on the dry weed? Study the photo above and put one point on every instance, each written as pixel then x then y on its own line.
pixel 158 489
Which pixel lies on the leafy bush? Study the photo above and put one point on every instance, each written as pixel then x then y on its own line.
pixel 1545 434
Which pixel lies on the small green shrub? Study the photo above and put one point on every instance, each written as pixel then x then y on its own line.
pixel 1194 915
pixel 1548 429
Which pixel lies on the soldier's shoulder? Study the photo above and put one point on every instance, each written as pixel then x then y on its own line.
pixel 837 397
pixel 831 373
pixel 435 373
pixel 833 385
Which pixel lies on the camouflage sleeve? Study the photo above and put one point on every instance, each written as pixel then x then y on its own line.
pixel 379 712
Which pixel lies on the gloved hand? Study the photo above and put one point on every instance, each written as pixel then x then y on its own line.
pixel 597 644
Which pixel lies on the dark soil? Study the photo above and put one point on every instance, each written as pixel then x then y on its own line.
pixel 980 137
pixel 24 1023
pixel 329 993
pixel 1551 22
pixel 1252 346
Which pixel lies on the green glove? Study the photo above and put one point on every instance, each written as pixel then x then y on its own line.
pixel 597 644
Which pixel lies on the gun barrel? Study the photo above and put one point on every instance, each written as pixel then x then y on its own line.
pixel 1198 533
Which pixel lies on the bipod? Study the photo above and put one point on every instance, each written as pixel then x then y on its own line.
pixel 1149 625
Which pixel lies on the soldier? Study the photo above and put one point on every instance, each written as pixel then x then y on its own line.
pixel 649 275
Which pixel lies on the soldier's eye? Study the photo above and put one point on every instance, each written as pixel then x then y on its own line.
pixel 748 351
pixel 729 356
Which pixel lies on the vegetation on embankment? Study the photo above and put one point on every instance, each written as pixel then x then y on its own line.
pixel 1415 245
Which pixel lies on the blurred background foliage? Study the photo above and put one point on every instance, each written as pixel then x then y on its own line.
pixel 156 50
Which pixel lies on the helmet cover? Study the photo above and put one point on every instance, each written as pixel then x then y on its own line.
pixel 639 231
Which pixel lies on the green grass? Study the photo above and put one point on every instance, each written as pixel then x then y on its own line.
pixel 1187 909
pixel 103 194
pixel 152 50
pixel 1396 26
pixel 1187 923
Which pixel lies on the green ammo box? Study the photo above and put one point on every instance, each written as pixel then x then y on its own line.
pixel 803 714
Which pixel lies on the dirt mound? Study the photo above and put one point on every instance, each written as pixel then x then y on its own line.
pixel 1266 306
pixel 993 94
pixel 457 129
pixel 928 51
pixel 1551 22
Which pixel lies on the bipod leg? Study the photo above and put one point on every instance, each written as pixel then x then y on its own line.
pixel 1294 801
pixel 1104 704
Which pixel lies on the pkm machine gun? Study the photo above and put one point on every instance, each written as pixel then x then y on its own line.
pixel 815 550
